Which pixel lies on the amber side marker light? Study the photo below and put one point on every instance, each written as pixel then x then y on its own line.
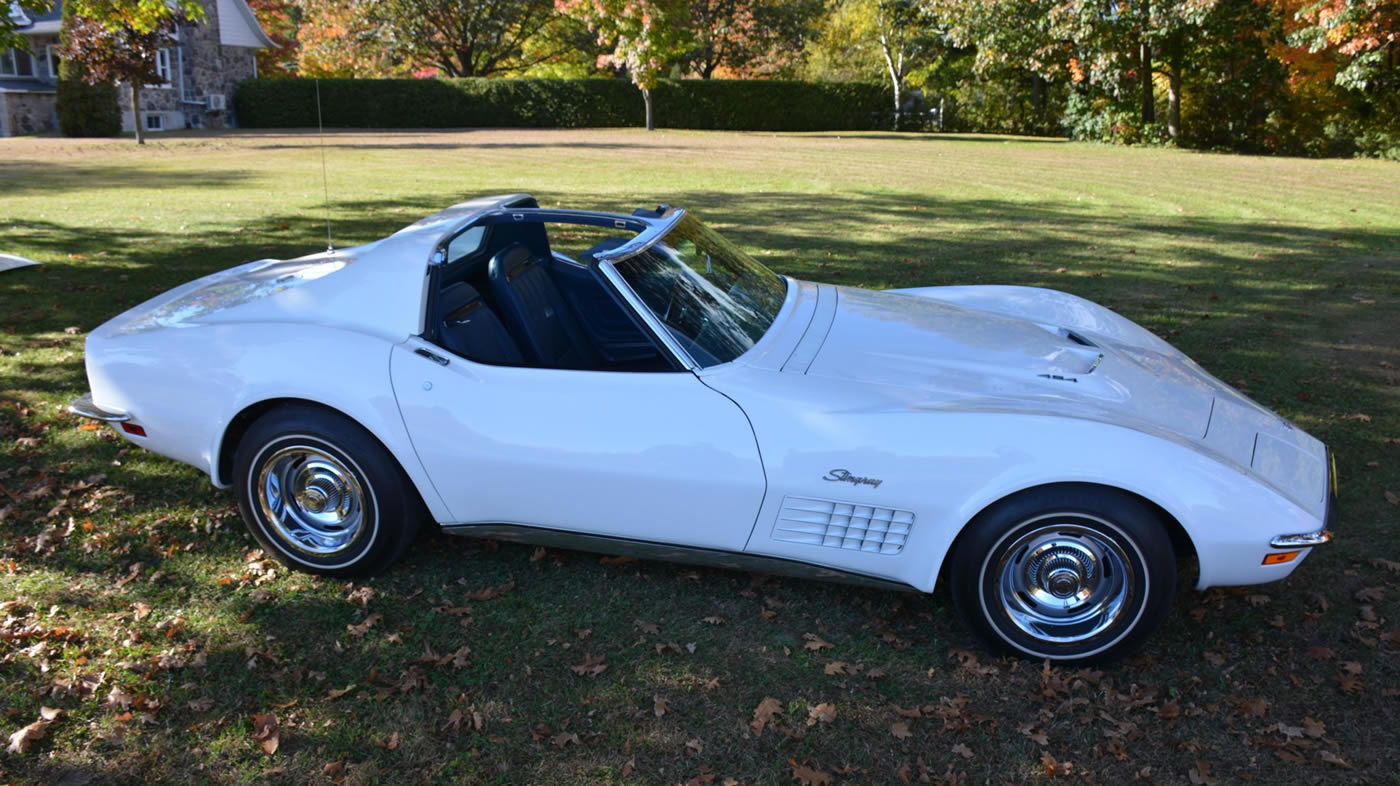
pixel 132 428
pixel 1279 558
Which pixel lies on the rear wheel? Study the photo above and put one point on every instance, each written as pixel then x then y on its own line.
pixel 322 495
pixel 1072 574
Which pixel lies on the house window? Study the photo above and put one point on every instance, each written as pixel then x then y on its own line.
pixel 155 122
pixel 163 65
pixel 16 63
pixel 53 60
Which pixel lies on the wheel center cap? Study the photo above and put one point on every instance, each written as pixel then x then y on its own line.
pixel 312 500
pixel 1063 582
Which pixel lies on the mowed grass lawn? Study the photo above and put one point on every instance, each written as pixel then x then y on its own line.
pixel 134 602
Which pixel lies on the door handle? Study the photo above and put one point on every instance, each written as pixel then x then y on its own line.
pixel 433 356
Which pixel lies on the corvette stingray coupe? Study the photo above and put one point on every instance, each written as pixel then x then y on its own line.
pixel 638 384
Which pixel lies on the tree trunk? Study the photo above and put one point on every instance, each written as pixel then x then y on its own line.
pixel 1149 104
pixel 136 112
pixel 896 74
pixel 646 96
pixel 1174 104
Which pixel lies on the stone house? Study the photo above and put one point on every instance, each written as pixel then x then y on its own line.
pixel 200 68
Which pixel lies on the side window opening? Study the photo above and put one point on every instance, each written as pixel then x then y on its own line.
pixel 520 291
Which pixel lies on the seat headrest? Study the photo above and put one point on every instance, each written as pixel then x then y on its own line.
pixel 509 262
pixel 457 300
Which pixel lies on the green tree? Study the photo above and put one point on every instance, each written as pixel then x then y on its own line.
pixel 737 34
pixel 646 36
pixel 465 38
pixel 846 46
pixel 908 34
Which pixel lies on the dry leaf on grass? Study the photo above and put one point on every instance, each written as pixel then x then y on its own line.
pixel 265 731
pixel 1314 728
pixel 649 628
pixel 764 713
pixel 363 627
pixel 362 596
pixel 809 776
pixel 336 693
pixel 815 642
pixel 22 739
pixel 821 713
pixel 489 593
pixel 1334 759
pixel 1200 774
pixel 335 770
pixel 713 620
pixel 564 738
pixel 962 750
pixel 901 730
pixel 592 666
pixel 1055 768
pixel 660 705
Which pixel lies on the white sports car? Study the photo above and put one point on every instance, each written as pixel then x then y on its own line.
pixel 638 384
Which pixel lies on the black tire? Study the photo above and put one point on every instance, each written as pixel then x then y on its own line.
pixel 351 512
pixel 1074 574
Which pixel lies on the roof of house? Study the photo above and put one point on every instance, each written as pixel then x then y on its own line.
pixel 238 25
pixel 36 23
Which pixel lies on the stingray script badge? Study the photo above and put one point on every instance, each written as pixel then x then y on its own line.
pixel 845 476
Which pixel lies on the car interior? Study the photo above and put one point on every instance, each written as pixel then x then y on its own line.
pixel 506 296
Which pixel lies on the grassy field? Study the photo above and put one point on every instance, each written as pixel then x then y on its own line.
pixel 134 603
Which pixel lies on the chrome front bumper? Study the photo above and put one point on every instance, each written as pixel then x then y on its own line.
pixel 83 407
pixel 1304 540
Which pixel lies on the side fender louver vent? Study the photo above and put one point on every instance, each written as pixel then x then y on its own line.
pixel 842 525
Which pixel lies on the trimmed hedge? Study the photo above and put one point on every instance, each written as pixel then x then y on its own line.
pixel 735 105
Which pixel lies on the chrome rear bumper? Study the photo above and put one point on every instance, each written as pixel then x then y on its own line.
pixel 83 407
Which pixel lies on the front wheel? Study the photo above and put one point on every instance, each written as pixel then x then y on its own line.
pixel 1072 574
pixel 322 495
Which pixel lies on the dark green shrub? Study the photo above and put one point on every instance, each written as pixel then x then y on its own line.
pixel 84 109
pixel 756 105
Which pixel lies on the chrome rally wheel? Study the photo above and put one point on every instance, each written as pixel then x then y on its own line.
pixel 323 495
pixel 314 503
pixel 1065 573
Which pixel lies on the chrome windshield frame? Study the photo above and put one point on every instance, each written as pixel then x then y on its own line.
pixel 653 322
pixel 655 231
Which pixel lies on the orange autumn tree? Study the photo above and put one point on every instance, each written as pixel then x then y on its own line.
pixel 1364 33
pixel 340 38
pixel 280 20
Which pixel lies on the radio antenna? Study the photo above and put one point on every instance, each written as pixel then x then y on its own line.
pixel 325 183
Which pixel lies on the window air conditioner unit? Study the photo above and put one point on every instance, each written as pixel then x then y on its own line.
pixel 216 103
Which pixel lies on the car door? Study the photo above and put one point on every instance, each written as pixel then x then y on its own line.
pixel 644 456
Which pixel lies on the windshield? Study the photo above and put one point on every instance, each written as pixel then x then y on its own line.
pixel 716 300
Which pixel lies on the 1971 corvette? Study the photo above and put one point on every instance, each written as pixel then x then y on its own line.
pixel 639 384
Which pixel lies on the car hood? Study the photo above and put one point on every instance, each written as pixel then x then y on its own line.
pixel 960 357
